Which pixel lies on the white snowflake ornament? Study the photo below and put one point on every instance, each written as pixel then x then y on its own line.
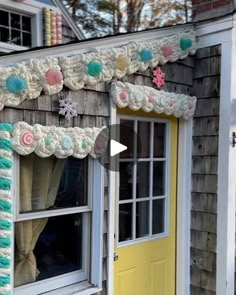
pixel 67 107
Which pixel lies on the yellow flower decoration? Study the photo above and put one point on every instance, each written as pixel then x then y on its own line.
pixel 122 62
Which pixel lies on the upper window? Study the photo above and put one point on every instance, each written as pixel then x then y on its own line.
pixel 53 214
pixel 15 28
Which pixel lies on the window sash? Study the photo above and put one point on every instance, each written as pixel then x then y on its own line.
pixel 53 212
pixel 92 268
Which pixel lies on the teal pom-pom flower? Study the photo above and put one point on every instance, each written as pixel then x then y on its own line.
pixel 67 143
pixel 94 68
pixel 6 127
pixel 185 43
pixel 16 84
pixel 146 55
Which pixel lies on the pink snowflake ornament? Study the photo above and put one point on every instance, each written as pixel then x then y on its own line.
pixel 67 107
pixel 158 78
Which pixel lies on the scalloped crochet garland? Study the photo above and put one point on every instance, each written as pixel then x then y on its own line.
pixel 27 80
pixel 148 99
pixel 6 218
pixel 51 140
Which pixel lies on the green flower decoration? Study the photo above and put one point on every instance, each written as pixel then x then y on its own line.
pixel 94 68
pixel 47 140
pixel 84 144
pixel 16 84
pixel 185 43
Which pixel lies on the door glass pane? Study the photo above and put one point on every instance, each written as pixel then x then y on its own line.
pixel 125 222
pixel 158 216
pixel 158 178
pixel 144 140
pixel 159 140
pixel 142 181
pixel 142 219
pixel 127 138
pixel 15 21
pixel 51 183
pixel 56 251
pixel 126 180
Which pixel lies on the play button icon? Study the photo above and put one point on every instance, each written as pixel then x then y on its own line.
pixel 114 144
pixel 116 147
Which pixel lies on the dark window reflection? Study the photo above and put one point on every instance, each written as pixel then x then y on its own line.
pixel 4 18
pixel 142 219
pixel 158 178
pixel 15 37
pixel 57 251
pixel 158 216
pixel 142 186
pixel 144 140
pixel 15 21
pixel 127 138
pixel 159 140
pixel 126 180
pixel 26 23
pixel 4 34
pixel 125 222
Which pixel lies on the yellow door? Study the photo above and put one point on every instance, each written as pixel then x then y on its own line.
pixel 146 207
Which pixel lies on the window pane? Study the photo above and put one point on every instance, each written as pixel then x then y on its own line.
pixel 127 138
pixel 15 37
pixel 142 219
pixel 144 142
pixel 4 34
pixel 56 252
pixel 142 182
pixel 26 39
pixel 159 140
pixel 126 180
pixel 4 18
pixel 158 216
pixel 15 21
pixel 125 222
pixel 51 183
pixel 26 23
pixel 158 178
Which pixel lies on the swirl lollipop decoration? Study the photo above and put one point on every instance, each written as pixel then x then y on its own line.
pixel 27 138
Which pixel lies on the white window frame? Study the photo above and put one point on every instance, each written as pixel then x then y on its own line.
pixel 88 281
pixel 150 198
pixel 32 9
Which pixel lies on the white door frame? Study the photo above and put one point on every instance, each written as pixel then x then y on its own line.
pixel 183 209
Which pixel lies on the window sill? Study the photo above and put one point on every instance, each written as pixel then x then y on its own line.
pixel 7 47
pixel 76 289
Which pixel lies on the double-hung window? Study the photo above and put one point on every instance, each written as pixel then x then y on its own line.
pixel 15 28
pixel 58 224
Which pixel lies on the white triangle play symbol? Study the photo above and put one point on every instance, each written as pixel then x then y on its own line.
pixel 116 148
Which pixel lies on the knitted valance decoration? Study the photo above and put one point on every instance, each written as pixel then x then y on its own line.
pixel 148 99
pixel 28 79
pixel 58 141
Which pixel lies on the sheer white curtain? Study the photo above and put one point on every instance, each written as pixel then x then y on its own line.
pixel 39 182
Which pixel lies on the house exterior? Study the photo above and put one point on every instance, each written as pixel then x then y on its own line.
pixel 163 222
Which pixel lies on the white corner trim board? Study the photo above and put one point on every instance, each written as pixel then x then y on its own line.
pixel 148 99
pixel 28 79
pixel 58 141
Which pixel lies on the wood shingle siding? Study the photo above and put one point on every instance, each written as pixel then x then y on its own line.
pixel 206 86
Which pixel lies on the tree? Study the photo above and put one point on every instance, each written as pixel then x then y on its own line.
pixel 98 18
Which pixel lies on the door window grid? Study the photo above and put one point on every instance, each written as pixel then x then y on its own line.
pixel 135 202
pixel 85 211
pixel 15 28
